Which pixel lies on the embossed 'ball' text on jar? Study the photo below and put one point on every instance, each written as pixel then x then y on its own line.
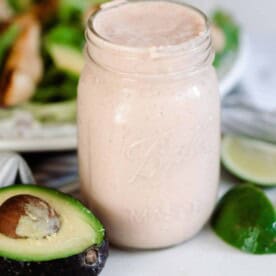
pixel 148 122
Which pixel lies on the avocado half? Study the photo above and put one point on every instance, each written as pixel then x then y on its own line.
pixel 44 232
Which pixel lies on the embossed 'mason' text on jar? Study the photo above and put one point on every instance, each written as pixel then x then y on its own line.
pixel 148 122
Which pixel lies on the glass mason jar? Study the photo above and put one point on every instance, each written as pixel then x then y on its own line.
pixel 148 137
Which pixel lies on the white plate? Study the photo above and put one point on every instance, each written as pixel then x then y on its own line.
pixel 60 138
pixel 35 137
pixel 39 144
pixel 204 255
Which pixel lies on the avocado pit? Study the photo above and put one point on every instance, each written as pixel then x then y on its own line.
pixel 27 216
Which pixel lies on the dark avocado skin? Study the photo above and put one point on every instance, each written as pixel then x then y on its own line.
pixel 72 266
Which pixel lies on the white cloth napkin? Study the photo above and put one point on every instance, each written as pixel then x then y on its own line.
pixel 251 108
pixel 12 166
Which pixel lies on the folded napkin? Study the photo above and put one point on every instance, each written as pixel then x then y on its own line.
pixel 251 108
pixel 13 167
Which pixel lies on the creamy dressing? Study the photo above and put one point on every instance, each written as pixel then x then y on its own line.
pixel 140 24
pixel 148 124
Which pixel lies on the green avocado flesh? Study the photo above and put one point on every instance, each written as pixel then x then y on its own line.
pixel 246 219
pixel 67 58
pixel 79 228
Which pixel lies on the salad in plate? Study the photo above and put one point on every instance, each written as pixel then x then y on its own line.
pixel 41 57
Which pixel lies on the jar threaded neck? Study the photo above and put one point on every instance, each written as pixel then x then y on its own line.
pixel 187 57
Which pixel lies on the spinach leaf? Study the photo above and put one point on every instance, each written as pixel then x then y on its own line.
pixel 56 87
pixel 72 10
pixel 231 31
pixel 65 34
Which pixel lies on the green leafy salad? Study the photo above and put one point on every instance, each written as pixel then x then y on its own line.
pixel 41 54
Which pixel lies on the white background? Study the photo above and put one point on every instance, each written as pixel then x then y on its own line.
pixel 257 16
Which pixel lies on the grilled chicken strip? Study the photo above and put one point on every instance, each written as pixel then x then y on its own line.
pixel 23 68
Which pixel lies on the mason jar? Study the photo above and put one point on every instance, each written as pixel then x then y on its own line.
pixel 149 122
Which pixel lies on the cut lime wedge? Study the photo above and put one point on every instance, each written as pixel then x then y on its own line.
pixel 250 159
pixel 245 218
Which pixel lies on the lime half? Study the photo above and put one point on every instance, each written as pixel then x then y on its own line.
pixel 245 218
pixel 249 159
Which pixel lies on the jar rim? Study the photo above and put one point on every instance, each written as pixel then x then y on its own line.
pixel 169 49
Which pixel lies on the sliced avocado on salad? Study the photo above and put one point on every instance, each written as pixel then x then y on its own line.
pixel 45 232
pixel 67 58
pixel 64 44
